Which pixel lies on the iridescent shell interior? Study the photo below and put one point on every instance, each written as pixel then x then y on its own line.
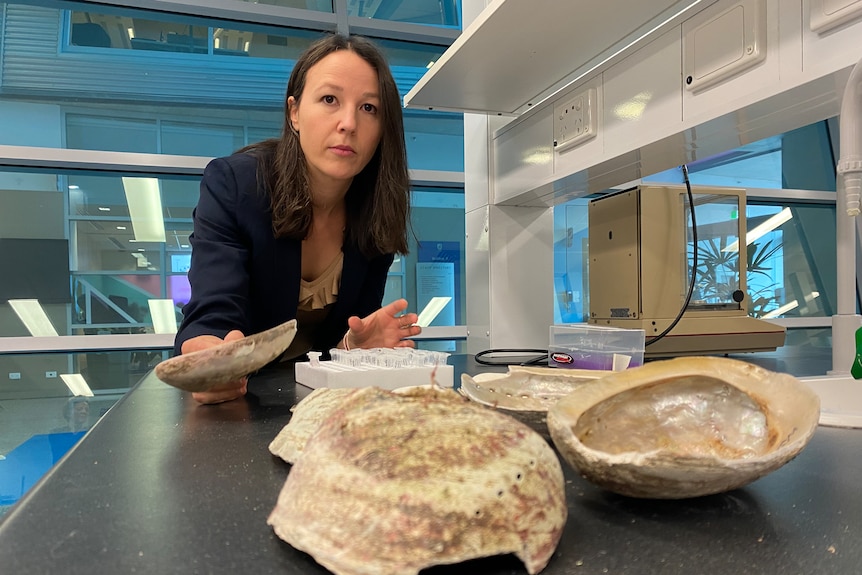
pixel 684 427
pixel 526 388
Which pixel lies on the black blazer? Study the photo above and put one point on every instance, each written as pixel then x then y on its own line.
pixel 243 278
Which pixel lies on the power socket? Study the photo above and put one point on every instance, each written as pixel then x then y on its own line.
pixel 575 120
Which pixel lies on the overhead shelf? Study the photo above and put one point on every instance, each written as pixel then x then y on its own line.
pixel 518 53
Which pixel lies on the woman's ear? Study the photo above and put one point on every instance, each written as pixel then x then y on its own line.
pixel 293 108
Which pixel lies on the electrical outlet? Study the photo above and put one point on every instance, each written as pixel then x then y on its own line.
pixel 575 120
pixel 50 374
pixel 14 375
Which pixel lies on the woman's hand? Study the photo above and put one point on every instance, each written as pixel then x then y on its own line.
pixel 227 392
pixel 386 327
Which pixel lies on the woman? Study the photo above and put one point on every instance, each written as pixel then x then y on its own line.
pixel 306 226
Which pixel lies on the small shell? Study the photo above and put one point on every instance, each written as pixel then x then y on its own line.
pixel 526 388
pixel 208 368
pixel 684 427
pixel 394 483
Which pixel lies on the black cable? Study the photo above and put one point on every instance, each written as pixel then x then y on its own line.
pixel 693 263
pixel 533 361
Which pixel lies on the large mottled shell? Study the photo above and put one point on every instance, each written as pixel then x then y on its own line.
pixel 684 427
pixel 307 417
pixel 208 368
pixel 393 483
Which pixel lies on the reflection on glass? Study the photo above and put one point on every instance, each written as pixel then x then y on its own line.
pixel 33 316
pixel 127 32
pixel 43 418
pixel 718 275
pixel 790 259
pixel 319 5
pixel 409 54
pixel 432 12
pixel 793 266
pixel 107 277
pixel 182 88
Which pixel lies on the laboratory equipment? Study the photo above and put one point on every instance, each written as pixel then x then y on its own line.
pixel 641 250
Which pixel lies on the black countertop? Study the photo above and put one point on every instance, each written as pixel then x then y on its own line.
pixel 163 485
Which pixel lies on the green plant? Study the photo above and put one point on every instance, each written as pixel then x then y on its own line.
pixel 718 273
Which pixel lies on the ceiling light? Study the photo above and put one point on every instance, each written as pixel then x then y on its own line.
pixel 144 198
pixel 76 384
pixel 432 310
pixel 778 219
pixel 790 306
pixel 121 227
pixel 163 312
pixel 33 317
pixel 74 187
pixel 104 209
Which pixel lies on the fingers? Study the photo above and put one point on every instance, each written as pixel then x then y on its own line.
pixel 407 320
pixel 386 327
pixel 202 342
pixel 234 335
pixel 227 392
pixel 396 307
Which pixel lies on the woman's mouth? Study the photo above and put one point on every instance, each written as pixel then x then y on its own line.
pixel 342 150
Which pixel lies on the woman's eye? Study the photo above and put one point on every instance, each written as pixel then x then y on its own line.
pixel 329 99
pixel 370 108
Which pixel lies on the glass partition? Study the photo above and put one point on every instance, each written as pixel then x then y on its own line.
pixel 42 418
pixel 136 81
pixel 96 261
pixel 718 264
pixel 446 13
pixel 790 268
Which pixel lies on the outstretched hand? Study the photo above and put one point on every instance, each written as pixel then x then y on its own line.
pixel 230 390
pixel 386 327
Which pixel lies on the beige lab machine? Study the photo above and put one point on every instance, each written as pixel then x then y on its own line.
pixel 640 247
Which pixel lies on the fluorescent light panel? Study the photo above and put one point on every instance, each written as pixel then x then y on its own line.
pixel 432 310
pixel 144 198
pixel 33 317
pixel 791 305
pixel 76 384
pixel 763 229
pixel 164 315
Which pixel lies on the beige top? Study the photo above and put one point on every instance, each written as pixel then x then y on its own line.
pixel 316 298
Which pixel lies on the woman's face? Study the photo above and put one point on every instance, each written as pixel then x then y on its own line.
pixel 338 118
pixel 81 412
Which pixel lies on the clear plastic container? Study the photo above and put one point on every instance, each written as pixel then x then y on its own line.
pixel 585 346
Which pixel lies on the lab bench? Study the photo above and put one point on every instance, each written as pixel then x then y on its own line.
pixel 164 485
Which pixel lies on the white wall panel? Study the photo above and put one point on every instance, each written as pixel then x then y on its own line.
pixel 522 271
pixel 522 156
pixel 477 259
pixel 837 47
pixel 750 83
pixel 643 96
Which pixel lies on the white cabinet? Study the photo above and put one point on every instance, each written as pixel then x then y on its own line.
pixel 758 68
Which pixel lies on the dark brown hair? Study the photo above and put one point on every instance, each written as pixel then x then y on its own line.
pixel 377 202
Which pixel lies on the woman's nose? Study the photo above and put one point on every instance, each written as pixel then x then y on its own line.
pixel 347 122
